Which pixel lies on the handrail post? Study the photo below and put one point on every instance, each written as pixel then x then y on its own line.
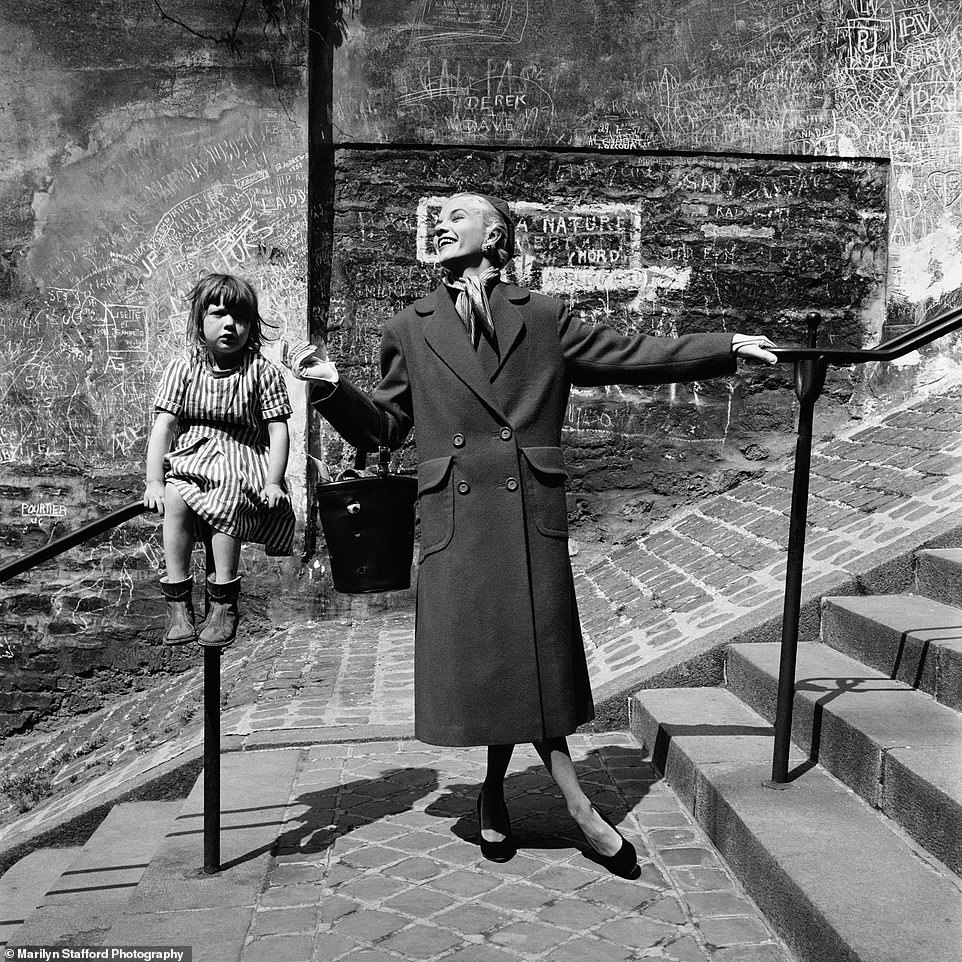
pixel 211 740
pixel 809 380
pixel 211 760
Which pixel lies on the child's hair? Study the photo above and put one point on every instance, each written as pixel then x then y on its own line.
pixel 237 296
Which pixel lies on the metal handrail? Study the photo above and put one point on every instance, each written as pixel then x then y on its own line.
pixel 71 540
pixel 902 344
pixel 211 668
pixel 811 365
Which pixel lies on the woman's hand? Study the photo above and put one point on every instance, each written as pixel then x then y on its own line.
pixel 752 347
pixel 154 497
pixel 308 362
pixel 273 494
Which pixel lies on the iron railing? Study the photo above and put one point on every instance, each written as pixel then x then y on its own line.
pixel 211 668
pixel 811 364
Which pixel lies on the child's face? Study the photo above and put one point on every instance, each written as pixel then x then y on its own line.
pixel 224 334
pixel 459 231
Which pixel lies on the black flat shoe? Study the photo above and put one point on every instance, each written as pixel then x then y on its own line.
pixel 624 863
pixel 501 851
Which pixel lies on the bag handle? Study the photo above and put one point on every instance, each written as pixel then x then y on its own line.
pixel 383 451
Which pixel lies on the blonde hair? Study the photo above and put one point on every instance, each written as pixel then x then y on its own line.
pixel 490 217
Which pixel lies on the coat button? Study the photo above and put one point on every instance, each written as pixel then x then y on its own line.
pixel 464 487
pixel 458 440
pixel 511 484
pixel 506 434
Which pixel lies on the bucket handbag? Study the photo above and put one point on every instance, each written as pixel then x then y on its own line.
pixel 368 524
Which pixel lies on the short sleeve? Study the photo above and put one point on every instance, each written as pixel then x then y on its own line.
pixel 173 387
pixel 274 400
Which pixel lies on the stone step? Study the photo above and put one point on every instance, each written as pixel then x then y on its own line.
pixel 938 574
pixel 103 874
pixel 895 747
pixel 837 881
pixel 25 883
pixel 908 637
pixel 175 903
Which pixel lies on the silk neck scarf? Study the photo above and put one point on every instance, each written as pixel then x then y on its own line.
pixel 472 302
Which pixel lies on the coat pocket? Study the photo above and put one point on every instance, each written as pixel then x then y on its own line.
pixel 545 486
pixel 435 505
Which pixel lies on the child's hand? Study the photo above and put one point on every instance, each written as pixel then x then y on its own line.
pixel 752 348
pixel 308 362
pixel 273 494
pixel 154 497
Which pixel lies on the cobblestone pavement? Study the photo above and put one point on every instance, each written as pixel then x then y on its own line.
pixel 378 861
pixel 712 563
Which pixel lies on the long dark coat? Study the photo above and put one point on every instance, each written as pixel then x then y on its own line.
pixel 499 656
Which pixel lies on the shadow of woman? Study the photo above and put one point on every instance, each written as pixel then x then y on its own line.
pixel 314 820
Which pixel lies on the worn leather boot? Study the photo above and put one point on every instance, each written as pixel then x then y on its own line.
pixel 222 617
pixel 180 611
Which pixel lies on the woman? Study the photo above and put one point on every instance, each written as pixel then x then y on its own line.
pixel 483 368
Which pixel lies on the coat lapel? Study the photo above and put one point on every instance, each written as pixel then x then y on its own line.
pixel 445 334
pixel 506 301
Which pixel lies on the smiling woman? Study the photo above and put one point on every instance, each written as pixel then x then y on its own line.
pixel 484 369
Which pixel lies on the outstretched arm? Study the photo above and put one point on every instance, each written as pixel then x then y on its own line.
pixel 598 354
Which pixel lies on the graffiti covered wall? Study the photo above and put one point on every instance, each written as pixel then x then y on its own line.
pixel 869 78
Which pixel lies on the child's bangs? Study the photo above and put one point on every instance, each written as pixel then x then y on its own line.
pixel 234 296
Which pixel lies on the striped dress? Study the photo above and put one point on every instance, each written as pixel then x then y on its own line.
pixel 218 462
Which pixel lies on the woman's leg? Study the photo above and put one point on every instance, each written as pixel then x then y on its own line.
pixel 178 535
pixel 601 836
pixel 495 823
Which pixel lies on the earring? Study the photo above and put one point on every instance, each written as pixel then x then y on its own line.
pixel 488 247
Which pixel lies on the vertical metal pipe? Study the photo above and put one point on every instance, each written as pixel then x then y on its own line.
pixel 211 736
pixel 211 760
pixel 809 378
pixel 793 594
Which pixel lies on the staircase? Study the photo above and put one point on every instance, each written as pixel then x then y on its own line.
pixel 138 880
pixel 860 857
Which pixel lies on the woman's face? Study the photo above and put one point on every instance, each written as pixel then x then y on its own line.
pixel 460 231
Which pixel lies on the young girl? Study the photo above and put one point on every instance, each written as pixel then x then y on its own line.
pixel 217 455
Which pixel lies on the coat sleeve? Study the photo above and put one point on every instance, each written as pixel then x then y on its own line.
pixel 597 354
pixel 357 417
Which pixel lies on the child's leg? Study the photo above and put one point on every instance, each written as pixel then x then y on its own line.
pixel 226 550
pixel 178 534
pixel 177 585
pixel 223 587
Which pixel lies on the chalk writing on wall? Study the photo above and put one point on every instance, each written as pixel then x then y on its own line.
pixel 869 78
pixel 82 366
pixel 462 21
